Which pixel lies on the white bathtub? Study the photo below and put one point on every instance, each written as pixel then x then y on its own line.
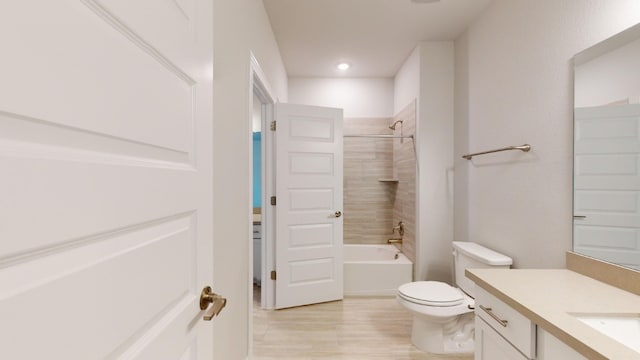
pixel 373 270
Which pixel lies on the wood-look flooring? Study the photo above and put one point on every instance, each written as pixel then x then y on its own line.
pixel 353 329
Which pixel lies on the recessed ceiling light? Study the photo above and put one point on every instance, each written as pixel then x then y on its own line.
pixel 343 66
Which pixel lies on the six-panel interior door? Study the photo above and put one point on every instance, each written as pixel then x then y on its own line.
pixel 607 183
pixel 106 172
pixel 309 204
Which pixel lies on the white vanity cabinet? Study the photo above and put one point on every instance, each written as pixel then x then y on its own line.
pixel 257 253
pixel 512 311
pixel 501 331
pixel 490 345
pixel 551 348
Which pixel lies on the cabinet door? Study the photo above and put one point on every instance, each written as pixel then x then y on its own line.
pixel 492 346
pixel 551 348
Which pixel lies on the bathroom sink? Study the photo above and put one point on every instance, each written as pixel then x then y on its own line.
pixel 624 328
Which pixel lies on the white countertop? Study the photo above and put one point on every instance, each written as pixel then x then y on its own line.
pixel 549 297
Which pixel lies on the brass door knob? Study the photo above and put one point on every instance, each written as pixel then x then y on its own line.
pixel 209 297
pixel 338 214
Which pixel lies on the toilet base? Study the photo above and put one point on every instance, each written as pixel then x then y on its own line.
pixel 452 335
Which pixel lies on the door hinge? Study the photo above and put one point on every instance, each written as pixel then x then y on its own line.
pixel 273 200
pixel 273 274
pixel 273 126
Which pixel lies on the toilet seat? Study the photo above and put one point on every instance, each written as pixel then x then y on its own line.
pixel 431 293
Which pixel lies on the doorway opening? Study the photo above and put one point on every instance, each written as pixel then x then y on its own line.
pixel 261 110
pixel 261 107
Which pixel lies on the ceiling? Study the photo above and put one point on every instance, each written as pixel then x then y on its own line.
pixel 374 36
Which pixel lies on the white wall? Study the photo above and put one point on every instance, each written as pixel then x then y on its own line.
pixel 428 76
pixel 407 82
pixel 514 86
pixel 461 142
pixel 240 26
pixel 358 97
pixel 435 151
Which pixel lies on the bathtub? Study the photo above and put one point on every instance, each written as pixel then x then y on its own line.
pixel 373 270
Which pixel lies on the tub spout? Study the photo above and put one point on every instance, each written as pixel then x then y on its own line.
pixel 394 241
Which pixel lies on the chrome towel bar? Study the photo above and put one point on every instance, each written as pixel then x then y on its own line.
pixel 525 148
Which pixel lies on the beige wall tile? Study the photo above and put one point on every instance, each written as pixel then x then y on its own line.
pixel 404 162
pixel 372 207
pixel 367 206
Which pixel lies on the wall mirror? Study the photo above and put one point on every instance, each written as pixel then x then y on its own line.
pixel 606 177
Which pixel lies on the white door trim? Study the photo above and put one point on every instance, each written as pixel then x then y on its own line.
pixel 259 85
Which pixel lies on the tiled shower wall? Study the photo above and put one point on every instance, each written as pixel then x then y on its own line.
pixel 368 202
pixel 404 164
pixel 372 203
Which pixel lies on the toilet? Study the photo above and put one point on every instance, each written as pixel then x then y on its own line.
pixel 443 319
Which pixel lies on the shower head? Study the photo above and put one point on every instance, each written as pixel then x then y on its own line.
pixel 393 126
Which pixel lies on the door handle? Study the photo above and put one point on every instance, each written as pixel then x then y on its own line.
pixel 337 214
pixel 579 217
pixel 209 297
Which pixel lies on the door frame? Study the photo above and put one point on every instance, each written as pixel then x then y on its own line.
pixel 259 86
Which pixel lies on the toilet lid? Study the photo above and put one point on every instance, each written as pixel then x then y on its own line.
pixel 432 293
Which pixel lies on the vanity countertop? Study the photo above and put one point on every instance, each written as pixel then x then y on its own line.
pixel 549 297
pixel 257 219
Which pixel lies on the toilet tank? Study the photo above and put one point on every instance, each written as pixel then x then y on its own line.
pixel 468 255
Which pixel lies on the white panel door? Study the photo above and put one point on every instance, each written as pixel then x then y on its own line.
pixel 106 171
pixel 607 183
pixel 309 204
